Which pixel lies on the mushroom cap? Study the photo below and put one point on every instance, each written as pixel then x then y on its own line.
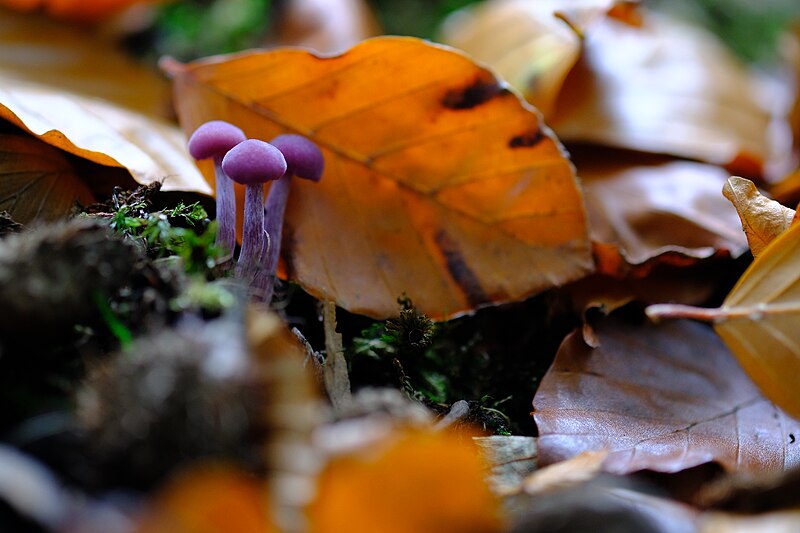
pixel 214 139
pixel 252 161
pixel 303 157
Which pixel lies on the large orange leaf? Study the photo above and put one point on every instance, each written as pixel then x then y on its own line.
pixel 439 181
pixel 37 182
pixel 662 398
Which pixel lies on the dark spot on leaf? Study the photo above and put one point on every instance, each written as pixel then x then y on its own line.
pixel 476 93
pixel 526 140
pixel 464 277
pixel 791 438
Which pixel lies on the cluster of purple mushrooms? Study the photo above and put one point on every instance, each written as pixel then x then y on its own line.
pixel 252 163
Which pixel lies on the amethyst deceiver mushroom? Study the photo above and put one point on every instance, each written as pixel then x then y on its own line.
pixel 253 163
pixel 303 160
pixel 212 140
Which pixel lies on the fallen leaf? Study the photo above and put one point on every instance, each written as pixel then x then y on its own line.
pixel 511 458
pixel 787 190
pixel 533 45
pixel 418 481
pixel 791 52
pixel 759 320
pixel 663 398
pixel 43 51
pixel 604 503
pixel 37 181
pixel 622 76
pixel 334 371
pixel 755 493
pixel 599 295
pixel 326 26
pixel 646 211
pixel 762 219
pixel 443 186
pixel 74 10
pixel 103 133
pixel 568 473
pixel 209 500
pixel 664 87
pixel 778 522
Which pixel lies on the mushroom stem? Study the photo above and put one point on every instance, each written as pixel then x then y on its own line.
pixel 251 253
pixel 212 140
pixel 273 226
pixel 226 209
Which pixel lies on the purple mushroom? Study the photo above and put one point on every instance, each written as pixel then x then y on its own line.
pixel 304 160
pixel 212 140
pixel 252 163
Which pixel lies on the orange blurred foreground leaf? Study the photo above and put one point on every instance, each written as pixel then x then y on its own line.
pixel 209 500
pixel 439 181
pixel 420 482
pixel 75 10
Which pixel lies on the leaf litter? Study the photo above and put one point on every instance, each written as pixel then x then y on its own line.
pixel 181 383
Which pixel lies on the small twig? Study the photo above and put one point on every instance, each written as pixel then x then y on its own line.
pixel 660 311
pixel 334 372
pixel 458 411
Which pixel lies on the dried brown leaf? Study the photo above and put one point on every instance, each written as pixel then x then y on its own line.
pixel 646 211
pixel 77 60
pixel 663 398
pixel 100 132
pixel 527 43
pixel 778 522
pixel 327 26
pixel 567 473
pixel 762 219
pixel 511 459
pixel 665 87
pixel 37 181
pixel 759 320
